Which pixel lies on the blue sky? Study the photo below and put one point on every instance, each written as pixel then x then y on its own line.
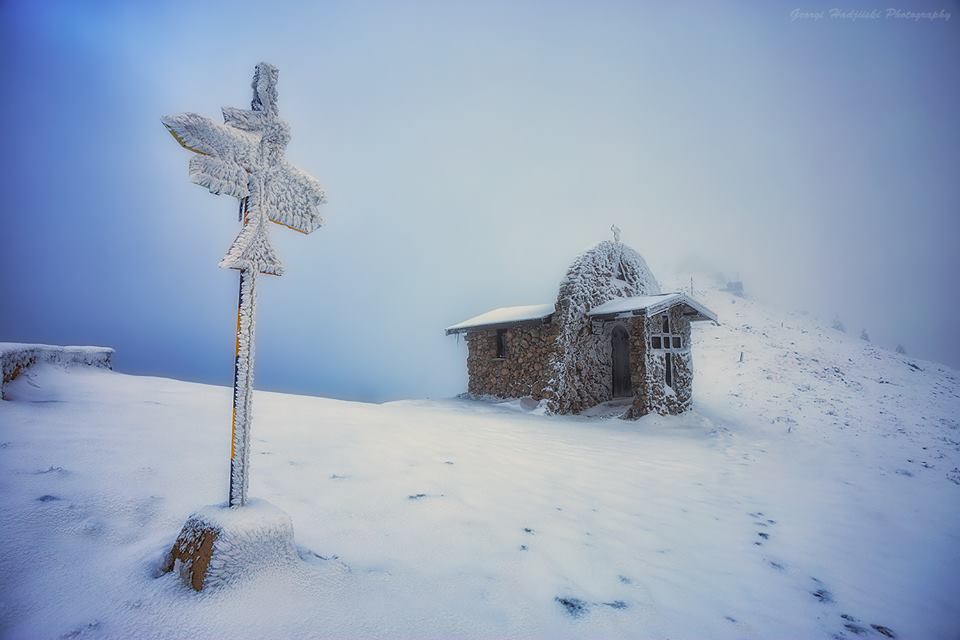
pixel 470 150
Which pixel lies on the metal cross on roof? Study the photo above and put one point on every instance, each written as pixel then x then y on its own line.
pixel 616 232
pixel 243 157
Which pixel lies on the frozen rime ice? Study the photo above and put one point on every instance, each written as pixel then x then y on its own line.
pixel 606 271
pixel 243 157
pixel 243 388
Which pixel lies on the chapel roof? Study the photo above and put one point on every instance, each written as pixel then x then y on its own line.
pixel 504 317
pixel 650 306
pixel 608 280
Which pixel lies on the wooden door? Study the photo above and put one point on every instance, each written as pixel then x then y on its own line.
pixel 621 362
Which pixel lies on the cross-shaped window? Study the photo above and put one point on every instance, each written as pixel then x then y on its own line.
pixel 664 339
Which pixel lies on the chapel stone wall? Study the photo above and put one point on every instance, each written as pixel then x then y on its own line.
pixel 525 369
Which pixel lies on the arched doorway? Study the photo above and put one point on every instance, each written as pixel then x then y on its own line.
pixel 620 340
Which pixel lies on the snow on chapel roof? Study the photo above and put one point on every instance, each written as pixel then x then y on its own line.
pixel 650 306
pixel 504 317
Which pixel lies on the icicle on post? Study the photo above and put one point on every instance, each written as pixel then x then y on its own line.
pixel 244 158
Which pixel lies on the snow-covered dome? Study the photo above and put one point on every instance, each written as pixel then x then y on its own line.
pixel 603 272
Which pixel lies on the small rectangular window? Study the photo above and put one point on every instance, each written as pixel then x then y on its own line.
pixel 676 342
pixel 668 369
pixel 501 343
pixel 656 342
pixel 666 323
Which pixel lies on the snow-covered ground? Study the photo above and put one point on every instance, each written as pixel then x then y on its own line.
pixel 814 492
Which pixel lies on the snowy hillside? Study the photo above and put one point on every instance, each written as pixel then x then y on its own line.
pixel 813 493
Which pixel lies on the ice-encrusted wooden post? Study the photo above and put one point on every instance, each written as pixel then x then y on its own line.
pixel 242 416
pixel 244 158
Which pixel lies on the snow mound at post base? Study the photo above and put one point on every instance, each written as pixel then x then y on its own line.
pixel 218 545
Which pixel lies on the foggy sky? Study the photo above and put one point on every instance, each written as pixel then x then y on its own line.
pixel 470 150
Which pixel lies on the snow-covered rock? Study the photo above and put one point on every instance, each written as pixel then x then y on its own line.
pixel 15 357
pixel 219 545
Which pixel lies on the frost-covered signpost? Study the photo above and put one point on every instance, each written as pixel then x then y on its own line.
pixel 243 157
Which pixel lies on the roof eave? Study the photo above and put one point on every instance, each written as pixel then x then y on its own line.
pixel 499 325
pixel 700 312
